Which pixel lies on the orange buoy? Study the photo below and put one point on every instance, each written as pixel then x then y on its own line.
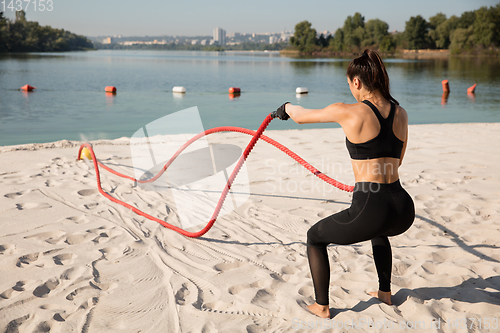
pixel 446 86
pixel 472 89
pixel 27 88
pixel 110 89
pixel 444 98
pixel 234 90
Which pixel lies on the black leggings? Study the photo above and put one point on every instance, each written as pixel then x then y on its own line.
pixel 377 211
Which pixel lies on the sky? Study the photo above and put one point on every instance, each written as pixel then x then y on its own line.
pixel 200 17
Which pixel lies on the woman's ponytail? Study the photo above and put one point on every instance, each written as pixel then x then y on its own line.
pixel 370 70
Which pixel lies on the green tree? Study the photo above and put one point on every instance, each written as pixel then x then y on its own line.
pixel 337 42
pixel 322 41
pixel 400 40
pixel 375 31
pixel 416 32
pixel 387 45
pixel 444 31
pixel 304 37
pixel 487 27
pixel 466 20
pixel 462 39
pixel 25 36
pixel 4 33
pixel 354 32
pixel 434 22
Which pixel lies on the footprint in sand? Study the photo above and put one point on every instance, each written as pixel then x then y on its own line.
pixel 237 288
pixel 78 219
pixel 8 249
pixel 52 183
pixel 110 253
pixel 32 205
pixel 91 205
pixel 180 295
pixel 306 291
pixel 66 277
pixel 17 289
pixel 223 267
pixel 16 194
pixel 51 237
pixel 87 192
pixel 487 214
pixel 400 268
pixel 289 270
pixel 453 217
pixel 64 258
pixel 27 259
pixel 266 299
pixel 424 197
pixel 78 238
pixel 73 273
pixel 44 289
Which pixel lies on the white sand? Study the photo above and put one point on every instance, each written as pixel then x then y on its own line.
pixel 73 261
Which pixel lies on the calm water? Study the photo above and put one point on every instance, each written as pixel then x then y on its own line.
pixel 70 102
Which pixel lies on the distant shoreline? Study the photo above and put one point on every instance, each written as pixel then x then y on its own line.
pixel 401 53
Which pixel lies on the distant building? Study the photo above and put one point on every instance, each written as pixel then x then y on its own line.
pixel 272 39
pixel 219 36
pixel 285 36
pixel 108 40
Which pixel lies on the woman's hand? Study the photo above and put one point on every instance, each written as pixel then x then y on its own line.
pixel 281 112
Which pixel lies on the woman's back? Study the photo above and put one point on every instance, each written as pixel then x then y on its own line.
pixel 365 129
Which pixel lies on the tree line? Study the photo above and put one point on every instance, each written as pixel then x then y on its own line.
pixel 473 31
pixel 22 35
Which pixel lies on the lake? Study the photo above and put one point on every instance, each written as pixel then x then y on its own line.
pixel 70 102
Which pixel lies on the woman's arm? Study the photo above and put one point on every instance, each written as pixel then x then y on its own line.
pixel 334 113
pixel 404 148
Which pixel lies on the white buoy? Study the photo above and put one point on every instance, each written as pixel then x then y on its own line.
pixel 301 90
pixel 181 90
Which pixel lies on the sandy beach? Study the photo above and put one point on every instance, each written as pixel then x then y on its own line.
pixel 73 261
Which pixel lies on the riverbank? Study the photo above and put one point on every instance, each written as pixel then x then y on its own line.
pixel 71 260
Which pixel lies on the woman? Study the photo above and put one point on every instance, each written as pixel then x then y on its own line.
pixel 376 130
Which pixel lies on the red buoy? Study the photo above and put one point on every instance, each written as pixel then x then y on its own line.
pixel 110 89
pixel 444 98
pixel 27 88
pixel 234 90
pixel 472 89
pixel 446 86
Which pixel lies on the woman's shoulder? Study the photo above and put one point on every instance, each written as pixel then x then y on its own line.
pixel 400 113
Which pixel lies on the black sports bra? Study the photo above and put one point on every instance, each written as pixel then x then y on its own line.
pixel 385 144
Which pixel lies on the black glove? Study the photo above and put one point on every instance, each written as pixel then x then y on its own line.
pixel 281 113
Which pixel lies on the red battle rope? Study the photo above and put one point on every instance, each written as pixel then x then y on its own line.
pixel 255 136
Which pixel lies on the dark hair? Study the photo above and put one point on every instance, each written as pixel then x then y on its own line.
pixel 370 70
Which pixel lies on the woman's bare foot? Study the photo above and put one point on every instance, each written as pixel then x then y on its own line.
pixel 384 296
pixel 322 311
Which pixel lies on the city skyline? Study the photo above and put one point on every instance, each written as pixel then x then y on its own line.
pixel 198 18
